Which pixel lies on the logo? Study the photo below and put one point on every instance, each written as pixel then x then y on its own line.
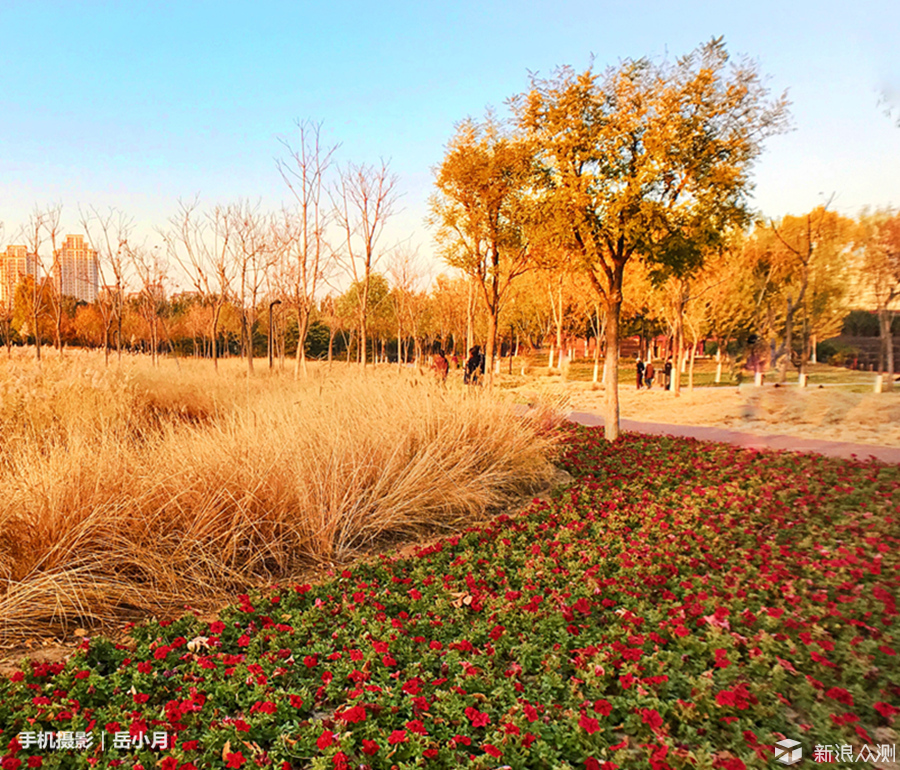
pixel 788 752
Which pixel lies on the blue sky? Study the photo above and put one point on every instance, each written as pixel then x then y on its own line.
pixel 136 104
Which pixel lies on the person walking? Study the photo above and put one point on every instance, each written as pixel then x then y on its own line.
pixel 667 369
pixel 440 365
pixel 640 373
pixel 648 374
pixel 474 367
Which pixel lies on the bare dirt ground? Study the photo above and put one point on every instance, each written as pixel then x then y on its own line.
pixel 828 413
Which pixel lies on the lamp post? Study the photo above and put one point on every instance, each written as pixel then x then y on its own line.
pixel 271 346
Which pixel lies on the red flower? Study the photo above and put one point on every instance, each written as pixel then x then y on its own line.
pixel 416 726
pixel 722 658
pixel 243 640
pixel 603 707
pixel 840 695
pixel 263 707
pixel 235 759
pixel 369 747
pixel 652 718
pixel 397 736
pixel 592 764
pixel 478 718
pixel 730 763
pixel 489 748
pixel 589 724
pixel 296 701
pixel 353 715
pixel 325 740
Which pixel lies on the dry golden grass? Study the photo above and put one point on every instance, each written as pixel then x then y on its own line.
pixel 131 490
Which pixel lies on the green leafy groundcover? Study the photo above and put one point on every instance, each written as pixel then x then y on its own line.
pixel 681 605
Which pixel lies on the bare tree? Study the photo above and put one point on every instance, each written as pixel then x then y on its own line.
pixel 43 223
pixel 252 256
pixel 365 198
pixel 406 276
pixel 202 247
pixel 109 234
pixel 151 269
pixel 302 241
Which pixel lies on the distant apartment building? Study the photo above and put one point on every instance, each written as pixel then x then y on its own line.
pixel 15 264
pixel 76 270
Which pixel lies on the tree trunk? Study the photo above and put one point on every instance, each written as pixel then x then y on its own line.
pixel 489 347
pixel 679 341
pixel 613 308
pixel 470 317
pixel 691 367
pixel 887 345
pixel 788 340
pixel 215 339
pixel 248 337
pixel 302 331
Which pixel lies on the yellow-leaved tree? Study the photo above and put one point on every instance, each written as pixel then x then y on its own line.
pixel 646 160
pixel 481 209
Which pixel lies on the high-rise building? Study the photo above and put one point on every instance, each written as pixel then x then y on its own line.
pixel 15 264
pixel 76 271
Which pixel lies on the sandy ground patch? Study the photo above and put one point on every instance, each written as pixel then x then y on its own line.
pixel 827 413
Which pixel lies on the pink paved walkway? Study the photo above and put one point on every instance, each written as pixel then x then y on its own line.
pixel 840 449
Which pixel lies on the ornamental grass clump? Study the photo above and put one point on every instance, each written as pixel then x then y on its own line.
pixel 134 491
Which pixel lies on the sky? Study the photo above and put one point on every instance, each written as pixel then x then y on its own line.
pixel 137 105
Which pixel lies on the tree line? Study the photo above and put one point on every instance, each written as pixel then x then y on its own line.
pixel 605 203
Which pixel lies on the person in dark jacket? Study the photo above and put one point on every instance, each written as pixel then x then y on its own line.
pixel 474 367
pixel 668 372
pixel 640 373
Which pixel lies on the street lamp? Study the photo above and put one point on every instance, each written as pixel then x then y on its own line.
pixel 271 346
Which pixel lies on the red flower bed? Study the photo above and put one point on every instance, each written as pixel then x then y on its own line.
pixel 681 605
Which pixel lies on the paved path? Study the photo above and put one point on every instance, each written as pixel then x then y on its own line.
pixel 840 449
